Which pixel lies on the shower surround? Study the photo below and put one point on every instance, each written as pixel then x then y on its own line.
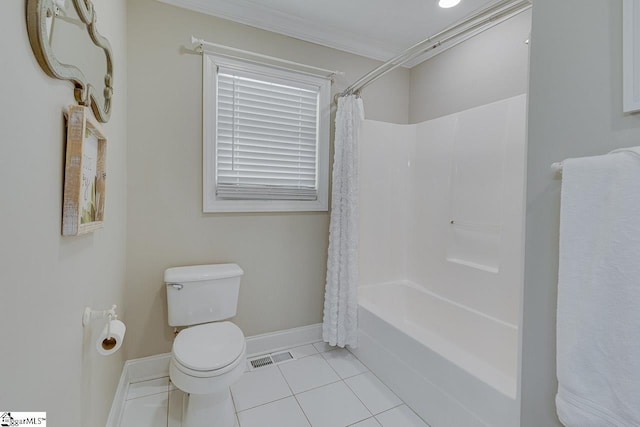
pixel 441 238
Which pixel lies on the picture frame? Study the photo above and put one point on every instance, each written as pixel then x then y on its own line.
pixel 85 173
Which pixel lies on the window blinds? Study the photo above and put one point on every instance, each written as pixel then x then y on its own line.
pixel 266 138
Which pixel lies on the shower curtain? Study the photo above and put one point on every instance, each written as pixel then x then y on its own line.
pixel 340 322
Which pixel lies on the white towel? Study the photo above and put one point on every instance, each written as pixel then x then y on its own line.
pixel 598 329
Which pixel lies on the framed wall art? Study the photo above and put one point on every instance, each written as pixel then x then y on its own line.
pixel 85 173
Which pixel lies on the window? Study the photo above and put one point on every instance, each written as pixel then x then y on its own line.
pixel 266 138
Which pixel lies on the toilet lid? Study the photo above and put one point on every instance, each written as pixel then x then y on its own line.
pixel 208 347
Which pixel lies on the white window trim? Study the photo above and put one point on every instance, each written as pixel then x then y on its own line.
pixel 211 203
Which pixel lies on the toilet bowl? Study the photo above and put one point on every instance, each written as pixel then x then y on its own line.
pixel 205 361
pixel 205 357
pixel 210 354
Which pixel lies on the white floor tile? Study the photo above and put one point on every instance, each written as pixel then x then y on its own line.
pixel 323 346
pixel 263 397
pixel 258 387
pixel 281 413
pixel 307 373
pixel 369 422
pixel 175 408
pixel 402 416
pixel 333 405
pixel 147 388
pixel 145 411
pixel 344 363
pixel 373 393
pixel 303 351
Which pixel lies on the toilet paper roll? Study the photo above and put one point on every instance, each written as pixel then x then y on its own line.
pixel 111 337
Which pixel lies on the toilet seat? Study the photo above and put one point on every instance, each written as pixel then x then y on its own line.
pixel 209 349
pixel 208 374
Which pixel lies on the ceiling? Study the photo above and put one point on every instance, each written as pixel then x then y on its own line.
pixel 378 29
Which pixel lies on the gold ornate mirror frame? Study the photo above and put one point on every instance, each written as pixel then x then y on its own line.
pixel 38 11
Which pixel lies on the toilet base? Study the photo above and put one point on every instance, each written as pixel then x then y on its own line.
pixel 208 410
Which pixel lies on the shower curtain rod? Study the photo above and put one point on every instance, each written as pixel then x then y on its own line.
pixel 202 43
pixel 493 12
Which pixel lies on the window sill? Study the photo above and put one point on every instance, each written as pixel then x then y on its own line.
pixel 218 206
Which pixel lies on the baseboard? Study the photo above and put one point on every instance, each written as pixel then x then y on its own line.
pixel 157 366
pixel 148 368
pixel 133 371
pixel 279 340
pixel 117 406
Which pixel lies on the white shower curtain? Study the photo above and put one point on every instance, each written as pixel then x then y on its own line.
pixel 340 322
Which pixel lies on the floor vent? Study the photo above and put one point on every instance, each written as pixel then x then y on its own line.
pixel 270 359
pixel 261 361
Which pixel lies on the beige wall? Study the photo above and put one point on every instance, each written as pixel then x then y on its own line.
pixel 283 255
pixel 486 68
pixel 49 362
pixel 575 109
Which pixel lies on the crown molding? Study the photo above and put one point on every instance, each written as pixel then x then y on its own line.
pixel 256 15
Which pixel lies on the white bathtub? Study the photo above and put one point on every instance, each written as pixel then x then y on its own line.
pixel 455 367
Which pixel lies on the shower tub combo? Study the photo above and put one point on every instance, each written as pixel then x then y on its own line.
pixel 440 262
pixel 454 366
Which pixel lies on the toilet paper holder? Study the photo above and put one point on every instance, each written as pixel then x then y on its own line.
pixel 90 314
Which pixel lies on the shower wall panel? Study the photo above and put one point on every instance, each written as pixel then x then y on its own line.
pixel 384 200
pixel 466 207
pixel 441 205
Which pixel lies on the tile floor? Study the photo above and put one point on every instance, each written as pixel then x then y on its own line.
pixel 323 387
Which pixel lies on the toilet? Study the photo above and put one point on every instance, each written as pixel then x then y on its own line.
pixel 209 355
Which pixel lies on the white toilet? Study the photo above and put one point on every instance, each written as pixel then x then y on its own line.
pixel 208 356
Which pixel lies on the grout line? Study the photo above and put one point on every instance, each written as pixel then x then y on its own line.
pixel 390 409
pixel 350 376
pixel 356 394
pixel 379 379
pixel 334 370
pixel 149 378
pixel 168 401
pixel 404 404
pixel 388 388
pixel 355 375
pixel 414 412
pixel 285 380
pixel 313 388
pixel 263 404
pixel 235 410
pixel 145 395
pixel 370 418
pixel 304 345
pixel 233 401
pixel 303 357
pixel 317 387
pixel 335 382
pixel 302 409
pixel 360 400
pixel 393 407
pixel 360 420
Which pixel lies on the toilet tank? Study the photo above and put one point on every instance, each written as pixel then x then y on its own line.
pixel 202 293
